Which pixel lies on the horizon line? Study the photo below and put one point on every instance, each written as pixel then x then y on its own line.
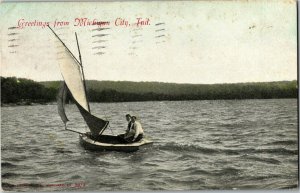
pixel 159 81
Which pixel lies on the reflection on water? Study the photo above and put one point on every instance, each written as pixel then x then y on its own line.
pixel 234 144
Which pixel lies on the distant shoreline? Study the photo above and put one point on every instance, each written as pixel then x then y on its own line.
pixel 19 91
pixel 54 102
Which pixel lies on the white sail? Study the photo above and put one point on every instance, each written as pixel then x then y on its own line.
pixel 73 77
pixel 71 72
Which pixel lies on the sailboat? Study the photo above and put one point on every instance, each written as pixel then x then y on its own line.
pixel 74 85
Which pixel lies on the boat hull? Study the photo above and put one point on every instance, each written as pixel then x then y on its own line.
pixel 111 143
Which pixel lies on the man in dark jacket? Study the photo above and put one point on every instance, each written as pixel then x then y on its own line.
pixel 122 136
pixel 128 118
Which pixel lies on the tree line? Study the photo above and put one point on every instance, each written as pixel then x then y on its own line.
pixel 15 90
pixel 18 89
pixel 270 90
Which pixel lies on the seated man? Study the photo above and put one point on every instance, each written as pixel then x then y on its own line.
pixel 136 131
pixel 122 136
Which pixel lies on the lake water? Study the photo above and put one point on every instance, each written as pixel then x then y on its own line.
pixel 225 144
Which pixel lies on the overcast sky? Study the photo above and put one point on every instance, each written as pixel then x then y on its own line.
pixel 185 42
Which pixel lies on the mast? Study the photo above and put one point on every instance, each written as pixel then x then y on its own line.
pixel 82 72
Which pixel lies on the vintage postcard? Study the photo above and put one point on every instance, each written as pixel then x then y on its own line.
pixel 149 95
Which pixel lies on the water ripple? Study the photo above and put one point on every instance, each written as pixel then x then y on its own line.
pixel 231 144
